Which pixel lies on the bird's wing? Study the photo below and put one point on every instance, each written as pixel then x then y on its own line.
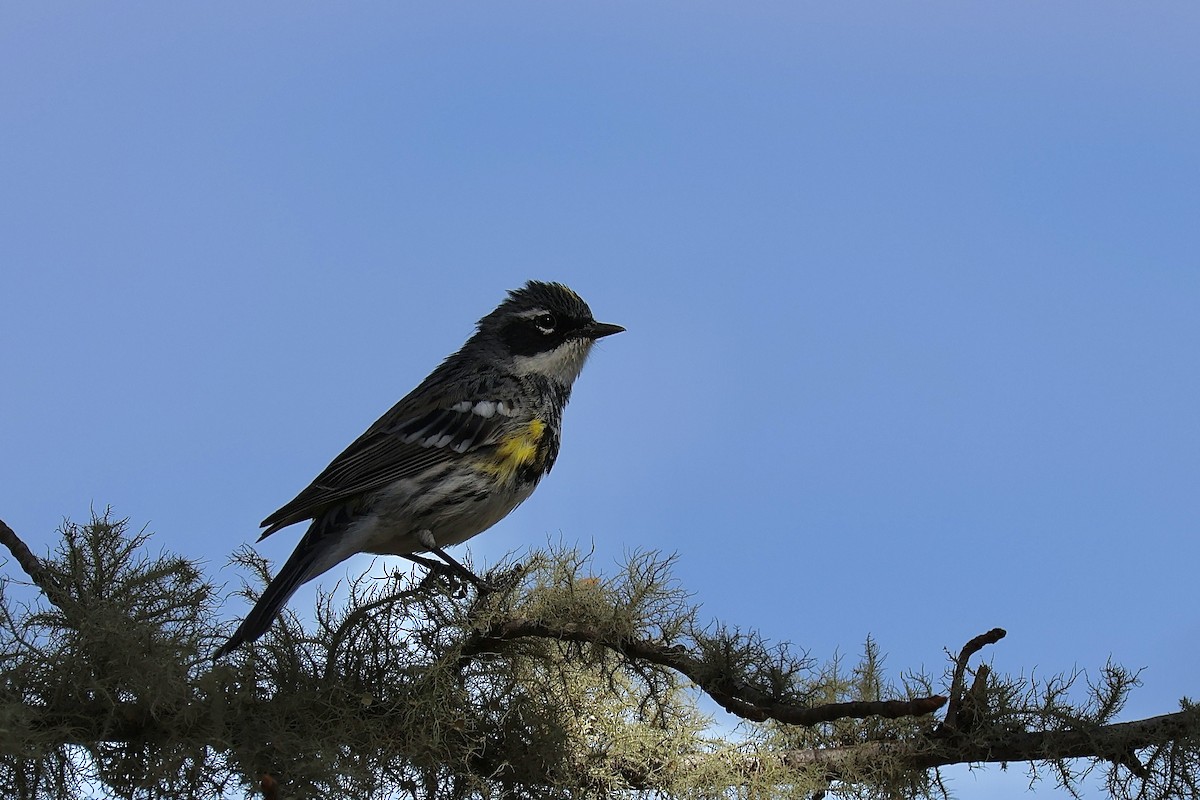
pixel 404 442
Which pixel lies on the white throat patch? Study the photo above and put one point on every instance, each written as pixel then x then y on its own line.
pixel 562 364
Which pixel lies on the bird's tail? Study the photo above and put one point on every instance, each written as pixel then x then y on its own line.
pixel 311 558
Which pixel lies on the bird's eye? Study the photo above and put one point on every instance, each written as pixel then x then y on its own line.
pixel 545 322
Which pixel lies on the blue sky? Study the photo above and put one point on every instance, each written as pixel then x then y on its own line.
pixel 911 292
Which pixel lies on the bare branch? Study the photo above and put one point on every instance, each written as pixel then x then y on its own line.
pixel 32 566
pixel 960 668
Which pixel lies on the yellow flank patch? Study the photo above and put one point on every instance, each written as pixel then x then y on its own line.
pixel 517 450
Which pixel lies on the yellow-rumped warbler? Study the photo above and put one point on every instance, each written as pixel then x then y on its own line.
pixel 453 457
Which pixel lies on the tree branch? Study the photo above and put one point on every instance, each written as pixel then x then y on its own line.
pixel 744 701
pixel 1107 742
pixel 130 722
pixel 32 565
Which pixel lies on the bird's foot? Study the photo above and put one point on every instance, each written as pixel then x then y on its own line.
pixel 438 571
pixel 448 564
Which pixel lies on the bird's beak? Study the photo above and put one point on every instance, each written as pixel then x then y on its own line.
pixel 596 330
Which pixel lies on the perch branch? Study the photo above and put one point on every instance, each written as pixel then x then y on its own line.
pixel 744 701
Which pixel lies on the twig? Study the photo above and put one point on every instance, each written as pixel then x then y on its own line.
pixel 974 702
pixel 357 614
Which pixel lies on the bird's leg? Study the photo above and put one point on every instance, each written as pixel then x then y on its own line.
pixel 429 543
pixel 427 563
pixel 437 569
pixel 434 567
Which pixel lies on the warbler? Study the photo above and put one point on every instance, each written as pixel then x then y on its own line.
pixel 452 458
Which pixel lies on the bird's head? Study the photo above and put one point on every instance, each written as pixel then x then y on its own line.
pixel 543 329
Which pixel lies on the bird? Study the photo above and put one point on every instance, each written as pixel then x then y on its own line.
pixel 452 458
